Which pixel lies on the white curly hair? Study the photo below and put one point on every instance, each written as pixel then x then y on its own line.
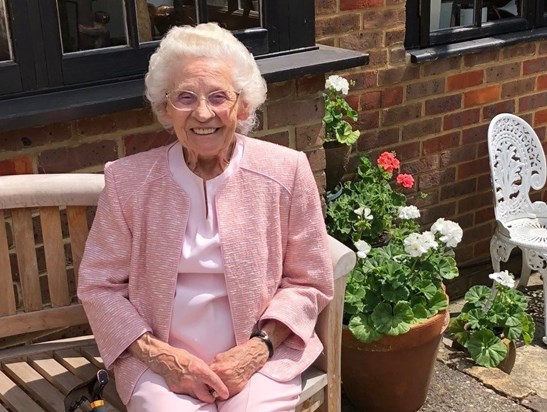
pixel 204 40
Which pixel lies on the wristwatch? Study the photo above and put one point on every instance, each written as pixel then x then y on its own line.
pixel 263 336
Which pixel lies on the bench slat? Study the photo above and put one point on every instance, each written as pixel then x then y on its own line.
pixel 54 372
pixel 2 409
pixel 92 354
pixel 7 304
pixel 15 397
pixel 26 259
pixel 78 229
pixel 50 219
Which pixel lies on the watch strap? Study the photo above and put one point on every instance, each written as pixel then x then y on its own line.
pixel 263 336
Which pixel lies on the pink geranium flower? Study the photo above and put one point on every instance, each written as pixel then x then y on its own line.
pixel 405 180
pixel 388 162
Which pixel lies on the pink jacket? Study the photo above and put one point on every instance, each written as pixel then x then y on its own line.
pixel 273 240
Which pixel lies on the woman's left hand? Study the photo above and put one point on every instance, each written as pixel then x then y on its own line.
pixel 236 366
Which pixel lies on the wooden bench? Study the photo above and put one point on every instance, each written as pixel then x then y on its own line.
pixel 44 223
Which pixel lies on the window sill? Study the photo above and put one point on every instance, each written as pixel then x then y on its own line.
pixel 476 46
pixel 66 105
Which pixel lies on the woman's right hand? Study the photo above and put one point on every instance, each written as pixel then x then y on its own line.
pixel 183 372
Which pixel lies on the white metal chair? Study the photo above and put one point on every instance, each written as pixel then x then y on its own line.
pixel 517 164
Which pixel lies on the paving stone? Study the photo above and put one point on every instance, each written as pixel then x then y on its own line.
pixel 535 403
pixel 500 381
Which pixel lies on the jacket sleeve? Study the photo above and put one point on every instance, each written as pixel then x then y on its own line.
pixel 104 275
pixel 307 282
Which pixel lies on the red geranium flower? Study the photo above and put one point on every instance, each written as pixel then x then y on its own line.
pixel 388 162
pixel 405 180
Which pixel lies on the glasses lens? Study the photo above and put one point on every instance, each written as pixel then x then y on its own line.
pixel 187 100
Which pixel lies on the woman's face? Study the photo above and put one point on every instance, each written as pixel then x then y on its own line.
pixel 205 131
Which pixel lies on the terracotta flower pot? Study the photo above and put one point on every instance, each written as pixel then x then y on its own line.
pixel 393 373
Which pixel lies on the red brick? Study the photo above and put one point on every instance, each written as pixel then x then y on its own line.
pixel 378 138
pixel 294 112
pixel 430 215
pixel 534 66
pixel 361 40
pixel 325 6
pixel 316 159
pixel 487 57
pixel 488 112
pixel 482 149
pixel 477 232
pixel 474 134
pixel 377 57
pixel 542 82
pixel 424 164
pixel 484 215
pixel 371 79
pixel 419 90
pixel 436 178
pixel 337 24
pixel 482 248
pixel 519 50
pixel 281 90
pixel 353 101
pixel 540 117
pixel 406 151
pixel 326 41
pixel 460 119
pixel 17 166
pixel 473 168
pixel 464 80
pixel 310 84
pixel 460 188
pixel 371 100
pixel 542 47
pixel 443 104
pixel 70 159
pixel 439 143
pixel 481 96
pixel 141 142
pixel 280 138
pixel 396 54
pixel 501 72
pixel 397 115
pixel 392 96
pixel 110 123
pixel 442 66
pixel 34 137
pixel 421 128
pixel 368 120
pixel 396 75
pixel 360 4
pixel 457 155
pixel 358 80
pixel 394 37
pixel 465 220
pixel 309 136
pixel 535 101
pixel 517 88
pixel 477 201
pixel 484 183
pixel 383 18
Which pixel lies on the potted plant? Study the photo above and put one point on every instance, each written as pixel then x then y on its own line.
pixel 491 320
pixel 339 134
pixel 395 304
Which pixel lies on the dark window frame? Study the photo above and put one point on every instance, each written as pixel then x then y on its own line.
pixel 418 35
pixel 41 67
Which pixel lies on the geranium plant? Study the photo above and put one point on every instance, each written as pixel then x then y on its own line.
pixel 491 315
pixel 338 112
pixel 398 279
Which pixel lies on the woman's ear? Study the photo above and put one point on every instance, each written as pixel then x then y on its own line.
pixel 243 111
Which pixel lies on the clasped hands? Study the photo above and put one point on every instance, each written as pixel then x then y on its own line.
pixel 187 374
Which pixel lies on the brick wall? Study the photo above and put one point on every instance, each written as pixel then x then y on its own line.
pixel 435 115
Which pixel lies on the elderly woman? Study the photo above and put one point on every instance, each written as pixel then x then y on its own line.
pixel 207 263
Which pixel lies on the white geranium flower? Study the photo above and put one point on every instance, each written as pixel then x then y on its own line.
pixel 503 278
pixel 414 246
pixel 417 244
pixel 451 232
pixel 364 212
pixel 338 83
pixel 362 248
pixel 408 212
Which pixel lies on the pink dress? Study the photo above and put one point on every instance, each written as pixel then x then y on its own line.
pixel 201 320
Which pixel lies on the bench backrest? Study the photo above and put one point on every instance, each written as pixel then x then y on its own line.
pixel 44 222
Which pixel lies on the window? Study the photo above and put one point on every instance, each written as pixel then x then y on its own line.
pixel 448 21
pixel 51 45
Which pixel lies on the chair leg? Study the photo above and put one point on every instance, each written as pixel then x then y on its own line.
pixel 525 269
pixel 544 276
pixel 496 261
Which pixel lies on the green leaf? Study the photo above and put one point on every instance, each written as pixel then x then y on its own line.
pixel 420 313
pixel 486 348
pixel 478 294
pixel 438 302
pixel 363 329
pixel 457 328
pixel 394 320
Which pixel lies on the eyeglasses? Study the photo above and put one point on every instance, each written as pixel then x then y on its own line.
pixel 186 101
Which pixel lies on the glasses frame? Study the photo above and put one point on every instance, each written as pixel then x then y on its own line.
pixel 201 97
